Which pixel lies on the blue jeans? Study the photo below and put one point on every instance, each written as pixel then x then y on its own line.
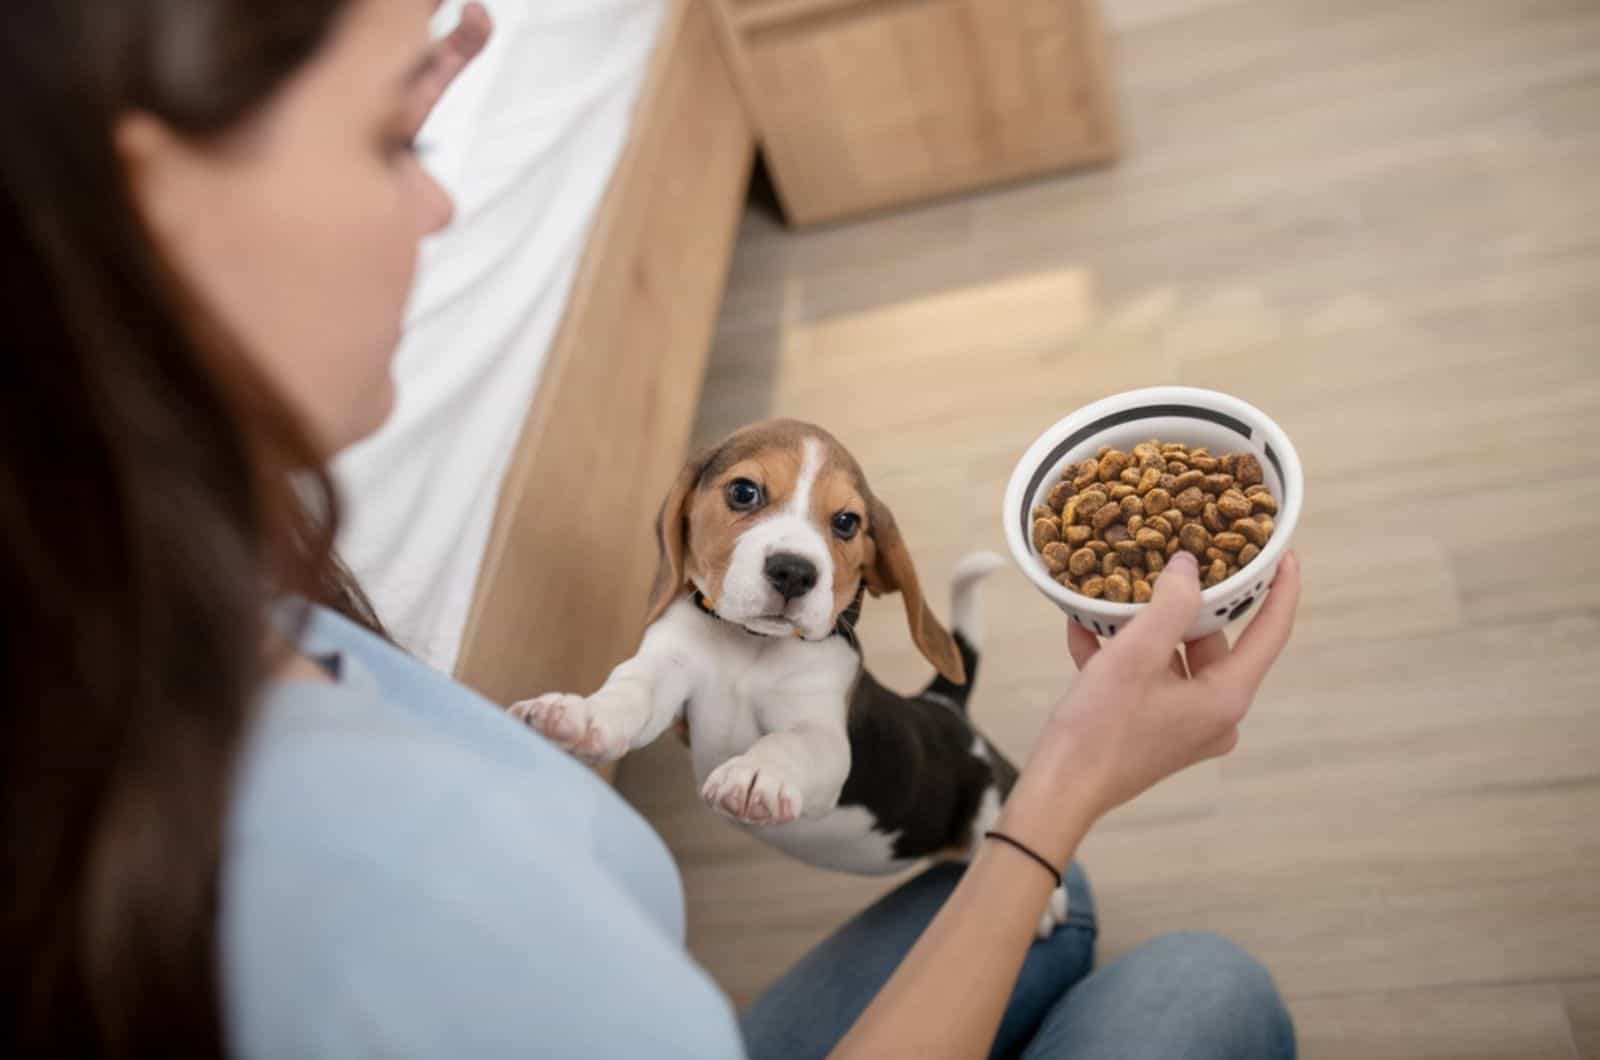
pixel 1190 996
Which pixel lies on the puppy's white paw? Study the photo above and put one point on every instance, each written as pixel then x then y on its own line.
pixel 751 792
pixel 1055 913
pixel 591 729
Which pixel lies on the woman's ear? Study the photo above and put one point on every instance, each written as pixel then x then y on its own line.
pixel 672 533
pixel 889 569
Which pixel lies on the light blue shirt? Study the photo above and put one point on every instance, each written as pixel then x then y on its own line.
pixel 409 871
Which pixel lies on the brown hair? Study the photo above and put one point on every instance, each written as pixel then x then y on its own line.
pixel 148 499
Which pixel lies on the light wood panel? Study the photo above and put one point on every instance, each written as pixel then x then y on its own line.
pixel 1473 1023
pixel 864 104
pixel 569 562
pixel 1377 220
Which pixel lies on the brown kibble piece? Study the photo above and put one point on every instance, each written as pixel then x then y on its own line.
pixel 1248 553
pixel 1157 501
pixel 1121 490
pixel 1148 480
pixel 1231 542
pixel 1111 464
pixel 1082 562
pixel 1176 467
pixel 1142 591
pixel 1044 532
pixel 1105 515
pixel 1114 533
pixel 1131 506
pixel 1130 475
pixel 1098 547
pixel 1187 479
pixel 1160 523
pixel 1264 502
pixel 1149 537
pixel 1247 469
pixel 1129 552
pixel 1213 520
pixel 1215 574
pixel 1135 523
pixel 1089 502
pixel 1174 447
pixel 1155 561
pixel 1055 557
pixel 1077 535
pixel 1144 450
pixel 1118 589
pixel 1092 586
pixel 1169 482
pixel 1195 539
pixel 1266 524
pixel 1225 463
pixel 1100 453
pixel 1233 505
pixel 1214 553
pixel 1250 530
pixel 1202 462
pixel 1191 501
pixel 1172 545
pixel 1060 493
pixel 1217 483
pixel 1085 473
pixel 1042 511
pixel 1109 563
pixel 1066 579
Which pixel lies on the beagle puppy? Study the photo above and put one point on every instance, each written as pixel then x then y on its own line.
pixel 768 542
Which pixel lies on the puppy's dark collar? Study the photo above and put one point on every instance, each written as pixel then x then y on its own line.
pixel 845 627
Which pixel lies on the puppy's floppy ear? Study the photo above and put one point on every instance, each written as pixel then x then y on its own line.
pixel 889 569
pixel 672 532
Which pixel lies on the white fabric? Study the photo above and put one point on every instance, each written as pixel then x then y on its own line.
pixel 526 142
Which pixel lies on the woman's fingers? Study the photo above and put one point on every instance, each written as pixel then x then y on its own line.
pixel 1205 652
pixel 1259 645
pixel 1081 643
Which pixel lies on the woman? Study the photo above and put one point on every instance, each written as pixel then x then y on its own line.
pixel 236 822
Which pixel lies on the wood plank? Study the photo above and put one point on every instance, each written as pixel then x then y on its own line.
pixel 868 105
pixel 1469 1023
pixel 570 559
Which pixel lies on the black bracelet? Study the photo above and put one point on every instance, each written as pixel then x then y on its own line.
pixel 1034 854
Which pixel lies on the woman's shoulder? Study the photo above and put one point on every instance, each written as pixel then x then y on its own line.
pixel 389 889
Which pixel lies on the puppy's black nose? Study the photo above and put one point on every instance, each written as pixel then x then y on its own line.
pixel 790 574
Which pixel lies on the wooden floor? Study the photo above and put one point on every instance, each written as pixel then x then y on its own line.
pixel 1379 220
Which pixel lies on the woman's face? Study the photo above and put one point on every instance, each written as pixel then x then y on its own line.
pixel 301 231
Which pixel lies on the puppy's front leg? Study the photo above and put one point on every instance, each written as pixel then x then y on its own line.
pixel 793 773
pixel 641 698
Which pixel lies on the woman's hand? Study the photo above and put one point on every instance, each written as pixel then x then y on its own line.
pixel 1148 706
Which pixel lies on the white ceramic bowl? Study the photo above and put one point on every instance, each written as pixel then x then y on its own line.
pixel 1173 414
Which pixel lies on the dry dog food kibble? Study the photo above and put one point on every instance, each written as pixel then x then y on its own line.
pixel 1109 526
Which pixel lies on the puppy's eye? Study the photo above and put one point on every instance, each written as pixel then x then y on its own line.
pixel 743 495
pixel 846 524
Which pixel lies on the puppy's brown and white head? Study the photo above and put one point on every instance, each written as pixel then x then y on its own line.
pixel 777 527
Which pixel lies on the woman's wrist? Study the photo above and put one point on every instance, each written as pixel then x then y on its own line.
pixel 1049 811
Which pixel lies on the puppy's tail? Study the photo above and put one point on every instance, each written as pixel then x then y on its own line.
pixel 966 624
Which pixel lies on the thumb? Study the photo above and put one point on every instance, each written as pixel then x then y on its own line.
pixel 1160 626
